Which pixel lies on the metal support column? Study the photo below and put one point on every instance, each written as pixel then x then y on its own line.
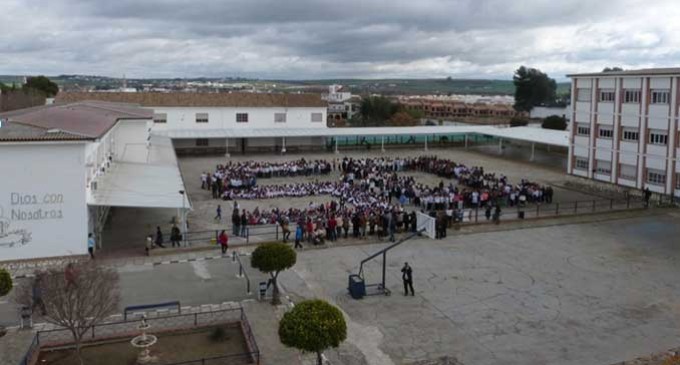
pixel 336 146
pixel 226 143
pixel 283 146
pixel 183 217
pixel 382 144
pixel 425 142
pixel 500 146
pixel 533 151
pixel 466 141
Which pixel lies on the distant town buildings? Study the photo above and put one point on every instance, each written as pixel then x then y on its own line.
pixel 625 128
pixel 342 105
pixel 461 106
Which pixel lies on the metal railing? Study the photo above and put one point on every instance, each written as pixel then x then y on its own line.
pixel 62 337
pixel 235 257
pixel 271 230
pixel 543 210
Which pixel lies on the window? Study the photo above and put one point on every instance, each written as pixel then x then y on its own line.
pixel 660 96
pixel 279 117
pixel 583 94
pixel 583 129
pixel 581 163
pixel 317 117
pixel 201 117
pixel 631 135
pixel 656 177
pixel 658 137
pixel 160 118
pixel 607 95
pixel 628 172
pixel 241 117
pixel 677 181
pixel 202 142
pixel 631 96
pixel 605 132
pixel 603 167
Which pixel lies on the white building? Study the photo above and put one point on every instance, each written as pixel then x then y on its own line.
pixel 65 165
pixel 625 128
pixel 205 112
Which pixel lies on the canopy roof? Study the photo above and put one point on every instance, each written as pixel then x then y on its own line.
pixel 525 134
pixel 151 181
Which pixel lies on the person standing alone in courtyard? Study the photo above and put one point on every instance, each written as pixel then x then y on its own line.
pixel 218 211
pixel 407 277
pixel 90 245
pixel 224 241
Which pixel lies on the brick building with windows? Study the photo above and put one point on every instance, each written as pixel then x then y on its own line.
pixel 626 128
pixel 454 109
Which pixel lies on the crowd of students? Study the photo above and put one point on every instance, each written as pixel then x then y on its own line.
pixel 244 175
pixel 376 181
pixel 329 221
pixel 371 197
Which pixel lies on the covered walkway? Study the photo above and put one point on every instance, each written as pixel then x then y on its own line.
pixel 149 178
pixel 420 133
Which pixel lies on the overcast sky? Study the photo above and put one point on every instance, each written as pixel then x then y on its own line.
pixel 303 39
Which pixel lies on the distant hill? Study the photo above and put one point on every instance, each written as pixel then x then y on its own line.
pixel 421 86
pixel 357 86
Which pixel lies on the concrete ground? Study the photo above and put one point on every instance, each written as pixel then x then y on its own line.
pixel 574 294
pixel 191 283
pixel 127 228
pixel 598 292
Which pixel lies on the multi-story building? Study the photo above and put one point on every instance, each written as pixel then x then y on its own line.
pixel 452 109
pixel 625 128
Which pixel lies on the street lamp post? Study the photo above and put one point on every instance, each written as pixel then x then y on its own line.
pixel 184 219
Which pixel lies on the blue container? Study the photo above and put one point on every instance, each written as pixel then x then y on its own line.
pixel 357 287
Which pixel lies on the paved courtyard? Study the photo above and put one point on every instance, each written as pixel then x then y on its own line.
pixel 201 218
pixel 573 294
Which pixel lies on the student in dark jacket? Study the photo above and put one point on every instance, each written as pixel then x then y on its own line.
pixel 159 238
pixel 407 278
pixel 244 223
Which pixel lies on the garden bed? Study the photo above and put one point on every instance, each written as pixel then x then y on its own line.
pixel 183 346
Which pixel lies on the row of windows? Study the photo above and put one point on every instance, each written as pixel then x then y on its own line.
pixel 656 137
pixel 240 118
pixel 627 172
pixel 630 96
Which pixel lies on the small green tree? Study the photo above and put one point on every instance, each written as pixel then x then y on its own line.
pixel 554 122
pixel 43 84
pixel 5 282
pixel 313 326
pixel 518 122
pixel 272 258
pixel 5 288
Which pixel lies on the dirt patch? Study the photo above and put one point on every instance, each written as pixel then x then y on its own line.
pixel 171 348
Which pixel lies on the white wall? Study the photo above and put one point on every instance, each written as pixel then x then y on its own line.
pixel 44 199
pixel 131 138
pixel 185 118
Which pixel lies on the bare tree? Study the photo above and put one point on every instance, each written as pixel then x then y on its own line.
pixel 77 297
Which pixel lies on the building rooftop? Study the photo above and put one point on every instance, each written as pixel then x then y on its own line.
pixel 185 99
pixel 641 72
pixel 70 122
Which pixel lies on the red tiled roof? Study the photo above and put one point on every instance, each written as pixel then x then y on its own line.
pixel 185 99
pixel 79 121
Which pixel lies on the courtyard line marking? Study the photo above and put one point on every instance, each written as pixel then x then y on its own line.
pixel 201 270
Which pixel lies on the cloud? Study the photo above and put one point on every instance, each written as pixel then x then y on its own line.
pixel 298 39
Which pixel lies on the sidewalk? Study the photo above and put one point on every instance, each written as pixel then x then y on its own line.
pixel 200 252
pixel 13 346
